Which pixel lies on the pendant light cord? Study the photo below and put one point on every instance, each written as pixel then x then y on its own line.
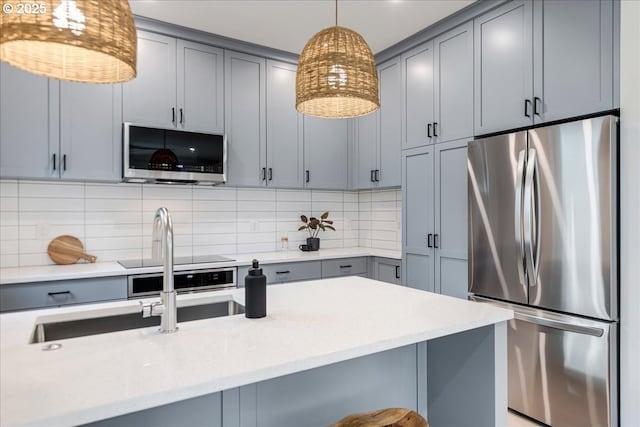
pixel 336 13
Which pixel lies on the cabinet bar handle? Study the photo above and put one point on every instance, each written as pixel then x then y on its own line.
pixel 435 127
pixel 264 174
pixel 181 117
pixel 270 174
pixel 397 271
pixel 429 130
pixel 53 294
pixel 429 237
pixel 346 266
pixel 435 241
pixel 173 114
pixel 536 100
pixel 372 177
pixel 64 162
pixel 283 272
pixel 308 176
pixel 377 175
pixel 54 161
pixel 526 108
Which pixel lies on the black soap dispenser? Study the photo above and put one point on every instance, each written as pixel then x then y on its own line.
pixel 255 292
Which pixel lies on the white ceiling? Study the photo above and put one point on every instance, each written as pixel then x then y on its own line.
pixel 288 24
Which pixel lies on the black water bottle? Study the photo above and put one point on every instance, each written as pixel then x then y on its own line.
pixel 255 292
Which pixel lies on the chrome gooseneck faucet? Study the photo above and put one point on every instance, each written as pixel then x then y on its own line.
pixel 162 248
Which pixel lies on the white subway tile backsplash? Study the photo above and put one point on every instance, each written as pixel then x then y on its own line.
pixel 114 221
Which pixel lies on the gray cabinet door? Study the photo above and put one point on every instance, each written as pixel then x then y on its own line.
pixel 200 87
pixel 325 153
pixel 451 218
pixel 388 270
pixel 366 156
pixel 245 118
pixel 150 98
pixel 28 124
pixel 390 78
pixel 285 155
pixel 417 96
pixel 503 67
pixel 573 56
pixel 417 218
pixel 91 131
pixel 453 90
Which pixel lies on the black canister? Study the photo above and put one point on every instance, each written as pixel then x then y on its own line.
pixel 255 292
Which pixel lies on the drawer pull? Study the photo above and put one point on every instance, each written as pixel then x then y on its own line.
pixel 346 266
pixel 55 294
pixel 283 272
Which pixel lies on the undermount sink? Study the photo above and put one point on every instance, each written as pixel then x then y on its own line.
pixel 53 329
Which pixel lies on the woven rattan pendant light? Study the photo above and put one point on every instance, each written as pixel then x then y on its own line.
pixel 336 75
pixel 84 40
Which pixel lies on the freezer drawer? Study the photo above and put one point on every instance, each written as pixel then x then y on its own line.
pixel 562 369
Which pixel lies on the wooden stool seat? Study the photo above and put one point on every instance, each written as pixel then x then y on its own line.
pixel 392 417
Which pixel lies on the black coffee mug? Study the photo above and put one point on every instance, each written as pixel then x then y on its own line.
pixel 304 248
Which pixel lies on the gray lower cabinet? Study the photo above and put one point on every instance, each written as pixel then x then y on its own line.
pixel 344 267
pixel 245 118
pixel 286 272
pixel 51 129
pixel 435 218
pixel 538 61
pixel 24 296
pixel 179 85
pixel 387 270
pixel 326 153
pixel 29 118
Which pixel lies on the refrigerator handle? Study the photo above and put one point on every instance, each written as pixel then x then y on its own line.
pixel 518 217
pixel 532 217
pixel 556 324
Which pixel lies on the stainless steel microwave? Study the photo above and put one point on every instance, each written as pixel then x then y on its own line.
pixel 152 154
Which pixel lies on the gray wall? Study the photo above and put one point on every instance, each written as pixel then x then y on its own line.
pixel 629 213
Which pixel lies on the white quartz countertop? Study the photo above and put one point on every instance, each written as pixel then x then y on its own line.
pixel 106 269
pixel 308 324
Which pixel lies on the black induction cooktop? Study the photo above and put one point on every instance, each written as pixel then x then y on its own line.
pixel 201 259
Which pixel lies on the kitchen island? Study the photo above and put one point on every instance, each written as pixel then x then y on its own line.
pixel 326 349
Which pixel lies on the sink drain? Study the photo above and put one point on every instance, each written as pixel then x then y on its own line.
pixel 51 346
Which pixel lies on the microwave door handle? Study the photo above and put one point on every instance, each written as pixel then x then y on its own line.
pixel 518 217
pixel 528 207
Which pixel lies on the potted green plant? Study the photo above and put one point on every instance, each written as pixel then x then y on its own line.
pixel 313 226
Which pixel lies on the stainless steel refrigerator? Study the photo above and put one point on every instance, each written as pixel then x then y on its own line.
pixel 543 242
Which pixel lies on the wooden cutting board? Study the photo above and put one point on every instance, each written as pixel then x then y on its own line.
pixel 68 250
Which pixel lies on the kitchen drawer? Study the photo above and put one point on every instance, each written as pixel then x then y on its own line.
pixel 286 272
pixel 24 296
pixel 344 267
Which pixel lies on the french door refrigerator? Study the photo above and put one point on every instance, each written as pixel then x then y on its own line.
pixel 543 242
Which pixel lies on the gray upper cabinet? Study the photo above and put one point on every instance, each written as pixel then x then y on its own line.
pixel 245 118
pixel 417 218
pixel 28 124
pixel 417 96
pixel 573 56
pixel 285 155
pixel 503 58
pixel 453 87
pixel 200 80
pixel 51 129
pixel 542 61
pixel 90 131
pixel 378 135
pixel 326 153
pixel 450 196
pixel 150 98
pixel 390 119
pixel 179 84
pixel 367 148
